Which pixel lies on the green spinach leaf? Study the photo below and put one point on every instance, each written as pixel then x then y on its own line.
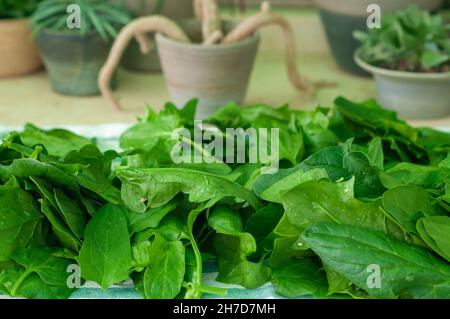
pixel 105 256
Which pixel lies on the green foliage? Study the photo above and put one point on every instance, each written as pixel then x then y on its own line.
pixel 15 9
pixel 96 16
pixel 19 215
pixel 39 273
pixel 303 277
pixel 106 253
pixel 407 271
pixel 409 40
pixel 357 187
pixel 163 277
pixel 47 201
pixel 435 231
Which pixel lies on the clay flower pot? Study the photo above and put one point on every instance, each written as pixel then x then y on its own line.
pixel 215 74
pixel 412 95
pixel 210 59
pixel 18 53
pixel 341 17
pixel 73 63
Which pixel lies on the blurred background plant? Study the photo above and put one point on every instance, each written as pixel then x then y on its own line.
pixel 74 55
pixel 410 40
pixel 242 6
pixel 140 7
pixel 14 9
pixel 96 16
pixel 235 5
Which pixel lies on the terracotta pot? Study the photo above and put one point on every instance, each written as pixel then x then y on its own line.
pixel 413 95
pixel 133 59
pixel 216 74
pixel 18 53
pixel 341 17
pixel 73 62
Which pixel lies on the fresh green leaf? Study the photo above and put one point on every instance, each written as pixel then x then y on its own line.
pixel 165 272
pixel 403 270
pixel 105 256
pixel 303 277
pixel 435 231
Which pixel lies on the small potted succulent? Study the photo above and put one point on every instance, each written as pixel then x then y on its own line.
pixel 18 53
pixel 341 17
pixel 133 59
pixel 208 58
pixel 73 53
pixel 410 60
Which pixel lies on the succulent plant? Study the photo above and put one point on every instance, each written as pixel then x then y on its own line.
pixel 409 40
pixel 96 16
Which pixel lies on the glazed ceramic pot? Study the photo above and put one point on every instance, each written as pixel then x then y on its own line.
pixel 413 95
pixel 18 52
pixel 216 74
pixel 73 62
pixel 133 59
pixel 341 17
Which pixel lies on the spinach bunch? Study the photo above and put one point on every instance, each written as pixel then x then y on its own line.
pixel 364 202
pixel 52 182
pixel 411 40
pixel 355 166
pixel 356 188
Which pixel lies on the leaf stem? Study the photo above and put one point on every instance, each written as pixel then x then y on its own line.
pixel 198 261
pixel 213 290
pixel 19 282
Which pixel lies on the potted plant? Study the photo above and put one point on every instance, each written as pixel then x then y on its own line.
pixel 18 52
pixel 133 59
pixel 209 59
pixel 73 54
pixel 410 59
pixel 341 17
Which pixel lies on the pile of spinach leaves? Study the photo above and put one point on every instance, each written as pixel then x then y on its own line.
pixel 357 191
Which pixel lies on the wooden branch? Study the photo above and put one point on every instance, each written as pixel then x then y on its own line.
pixel 144 44
pixel 214 38
pixel 264 18
pixel 136 29
pixel 198 9
pixel 210 18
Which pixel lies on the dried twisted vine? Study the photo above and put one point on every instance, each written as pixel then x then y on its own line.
pixel 264 18
pixel 211 24
pixel 207 11
pixel 198 9
pixel 136 29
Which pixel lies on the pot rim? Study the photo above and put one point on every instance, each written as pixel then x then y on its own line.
pixel 255 38
pixel 398 74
